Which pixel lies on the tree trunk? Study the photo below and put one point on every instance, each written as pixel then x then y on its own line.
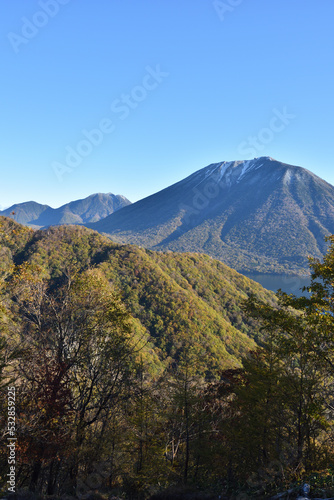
pixel 35 475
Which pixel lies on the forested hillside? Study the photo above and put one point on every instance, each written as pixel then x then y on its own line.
pixel 172 297
pixel 148 375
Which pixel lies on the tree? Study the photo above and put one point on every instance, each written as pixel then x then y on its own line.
pixel 318 308
pixel 9 354
pixel 78 364
pixel 299 341
pixel 183 426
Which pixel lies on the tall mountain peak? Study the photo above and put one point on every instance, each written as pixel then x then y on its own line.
pixel 258 215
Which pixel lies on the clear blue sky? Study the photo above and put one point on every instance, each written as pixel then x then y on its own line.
pixel 174 85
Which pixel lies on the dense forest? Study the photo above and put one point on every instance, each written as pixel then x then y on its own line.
pixel 141 374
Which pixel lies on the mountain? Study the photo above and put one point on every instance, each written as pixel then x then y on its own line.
pixel 175 299
pixel 258 215
pixel 91 209
pixel 25 213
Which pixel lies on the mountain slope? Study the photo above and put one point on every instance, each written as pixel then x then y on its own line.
pixel 90 209
pixel 176 300
pixel 258 215
pixel 25 213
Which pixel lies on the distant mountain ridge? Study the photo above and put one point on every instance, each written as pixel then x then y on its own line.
pixel 90 209
pixel 258 215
